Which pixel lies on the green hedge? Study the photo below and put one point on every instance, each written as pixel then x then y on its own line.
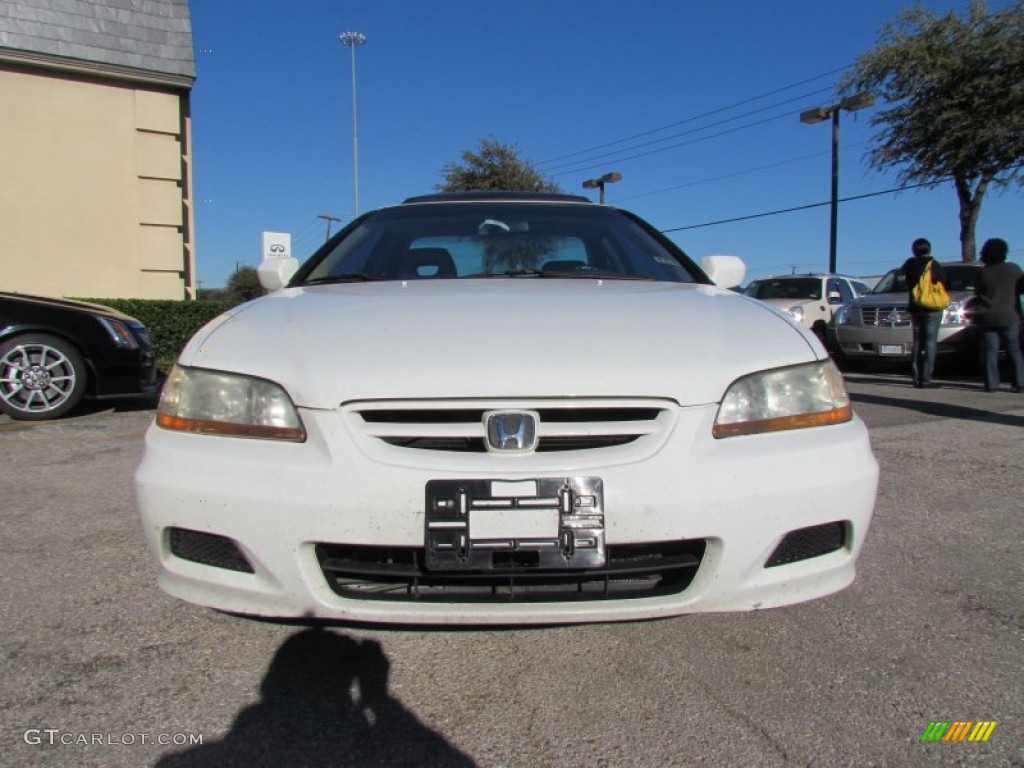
pixel 171 323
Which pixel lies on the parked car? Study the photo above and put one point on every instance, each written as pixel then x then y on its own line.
pixel 54 352
pixel 810 299
pixel 503 409
pixel 877 327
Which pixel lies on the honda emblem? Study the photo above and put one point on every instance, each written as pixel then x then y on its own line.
pixel 511 431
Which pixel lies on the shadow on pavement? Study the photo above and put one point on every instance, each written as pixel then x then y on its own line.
pixel 946 410
pixel 86 409
pixel 325 703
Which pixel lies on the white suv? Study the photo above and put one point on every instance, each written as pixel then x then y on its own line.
pixel 810 300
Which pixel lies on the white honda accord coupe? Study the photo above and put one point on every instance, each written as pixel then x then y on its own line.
pixel 504 408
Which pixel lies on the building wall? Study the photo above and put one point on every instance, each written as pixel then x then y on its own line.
pixel 95 185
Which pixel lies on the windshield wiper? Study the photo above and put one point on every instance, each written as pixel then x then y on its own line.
pixel 591 274
pixel 509 273
pixel 348 277
pixel 595 274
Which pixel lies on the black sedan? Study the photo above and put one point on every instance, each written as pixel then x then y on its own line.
pixel 54 352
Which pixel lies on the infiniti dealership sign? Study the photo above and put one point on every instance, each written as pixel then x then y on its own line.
pixel 277 245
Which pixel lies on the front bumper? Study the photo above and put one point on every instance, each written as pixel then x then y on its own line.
pixel 885 343
pixel 288 508
pixel 123 372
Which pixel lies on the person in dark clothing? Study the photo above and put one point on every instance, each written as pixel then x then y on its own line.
pixel 925 321
pixel 996 312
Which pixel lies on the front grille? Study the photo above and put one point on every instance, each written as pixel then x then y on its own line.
pixel 208 549
pixel 398 574
pixel 805 543
pixel 890 317
pixel 568 426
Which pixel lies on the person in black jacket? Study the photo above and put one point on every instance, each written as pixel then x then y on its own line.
pixel 997 312
pixel 925 321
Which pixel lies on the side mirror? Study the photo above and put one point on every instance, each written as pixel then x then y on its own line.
pixel 275 273
pixel 834 297
pixel 724 271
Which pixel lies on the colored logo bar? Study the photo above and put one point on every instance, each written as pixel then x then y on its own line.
pixel 958 730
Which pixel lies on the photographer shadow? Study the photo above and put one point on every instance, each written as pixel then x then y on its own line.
pixel 325 703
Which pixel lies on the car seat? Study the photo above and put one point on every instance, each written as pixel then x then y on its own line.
pixel 425 263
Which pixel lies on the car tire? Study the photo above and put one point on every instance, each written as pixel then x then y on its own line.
pixel 41 377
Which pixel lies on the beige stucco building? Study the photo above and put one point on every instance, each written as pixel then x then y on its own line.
pixel 95 157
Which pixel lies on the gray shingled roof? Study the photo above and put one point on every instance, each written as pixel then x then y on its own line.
pixel 152 35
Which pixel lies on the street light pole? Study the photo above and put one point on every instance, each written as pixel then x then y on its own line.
pixel 353 40
pixel 329 219
pixel 817 115
pixel 834 220
pixel 599 183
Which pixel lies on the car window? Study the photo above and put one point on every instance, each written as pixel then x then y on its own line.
pixel 785 288
pixel 961 278
pixel 894 281
pixel 859 288
pixel 462 240
pixel 845 291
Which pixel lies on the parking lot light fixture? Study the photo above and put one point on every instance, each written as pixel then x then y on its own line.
pixel 599 183
pixel 354 40
pixel 820 114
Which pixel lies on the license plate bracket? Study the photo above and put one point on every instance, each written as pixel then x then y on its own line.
pixel 551 523
pixel 891 349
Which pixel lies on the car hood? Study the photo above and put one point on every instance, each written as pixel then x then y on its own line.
pixel 899 299
pixel 505 338
pixel 784 304
pixel 69 304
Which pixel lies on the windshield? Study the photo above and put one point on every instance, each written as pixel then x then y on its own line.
pixel 785 288
pixel 960 277
pixel 498 239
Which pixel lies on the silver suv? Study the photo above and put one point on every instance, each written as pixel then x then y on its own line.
pixel 810 300
pixel 877 327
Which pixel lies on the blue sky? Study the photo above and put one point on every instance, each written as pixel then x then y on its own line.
pixel 696 104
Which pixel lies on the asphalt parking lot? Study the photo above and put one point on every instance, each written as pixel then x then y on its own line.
pixel 102 669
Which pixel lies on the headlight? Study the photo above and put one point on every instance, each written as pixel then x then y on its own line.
pixel 955 313
pixel 810 395
pixel 216 403
pixel 119 332
pixel 842 315
pixel 797 313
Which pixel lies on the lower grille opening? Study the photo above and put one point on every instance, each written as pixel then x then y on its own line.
pixel 208 549
pixel 805 543
pixel 398 574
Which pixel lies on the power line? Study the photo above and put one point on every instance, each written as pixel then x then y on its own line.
pixel 696 117
pixel 728 175
pixel 680 144
pixel 803 207
pixel 934 183
pixel 607 157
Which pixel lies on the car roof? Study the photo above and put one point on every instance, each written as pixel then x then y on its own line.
pixel 475 196
pixel 805 275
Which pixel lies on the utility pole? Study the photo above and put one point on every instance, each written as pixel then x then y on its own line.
pixel 329 219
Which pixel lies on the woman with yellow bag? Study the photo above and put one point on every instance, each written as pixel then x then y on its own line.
pixel 925 312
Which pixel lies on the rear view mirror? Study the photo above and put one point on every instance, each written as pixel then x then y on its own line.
pixel 274 273
pixel 724 271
